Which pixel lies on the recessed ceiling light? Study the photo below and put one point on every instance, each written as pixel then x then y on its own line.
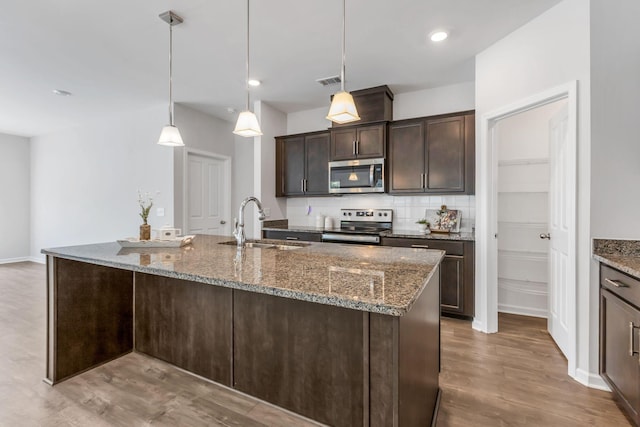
pixel 61 92
pixel 438 36
pixel 254 82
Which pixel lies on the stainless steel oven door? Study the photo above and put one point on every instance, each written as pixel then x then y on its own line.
pixel 356 176
pixel 363 239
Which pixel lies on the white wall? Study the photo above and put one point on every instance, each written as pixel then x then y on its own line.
pixel 14 198
pixel 273 123
pixel 615 151
pixel 84 181
pixel 243 176
pixel 203 133
pixel 551 50
pixel 523 210
pixel 430 102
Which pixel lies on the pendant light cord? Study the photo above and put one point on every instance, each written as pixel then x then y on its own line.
pixel 344 26
pixel 171 71
pixel 246 82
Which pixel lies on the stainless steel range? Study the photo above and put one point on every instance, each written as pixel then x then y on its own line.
pixel 361 226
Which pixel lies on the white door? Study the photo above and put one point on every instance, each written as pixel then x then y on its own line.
pixel 562 194
pixel 207 195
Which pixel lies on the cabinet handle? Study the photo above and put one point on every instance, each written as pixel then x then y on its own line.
pixel 302 185
pixel 616 283
pixel 632 328
pixel 291 238
pixel 357 147
pixel 420 246
pixel 423 180
pixel 353 147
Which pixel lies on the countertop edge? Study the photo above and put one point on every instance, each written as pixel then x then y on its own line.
pixel 395 311
pixel 616 264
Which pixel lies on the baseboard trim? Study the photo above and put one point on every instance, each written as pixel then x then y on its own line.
pixel 14 260
pixel 591 380
pixel 522 311
pixel 38 260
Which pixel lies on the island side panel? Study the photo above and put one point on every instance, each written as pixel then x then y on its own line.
pixel 383 370
pixel 419 357
pixel 185 323
pixel 92 316
pixel 306 357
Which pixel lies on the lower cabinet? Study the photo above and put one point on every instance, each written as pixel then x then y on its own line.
pixel 620 338
pixel 292 235
pixel 457 285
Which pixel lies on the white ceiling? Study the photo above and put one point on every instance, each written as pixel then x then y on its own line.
pixel 113 55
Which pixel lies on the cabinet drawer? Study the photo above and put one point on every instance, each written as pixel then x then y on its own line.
pixel 621 284
pixel 451 248
pixel 291 235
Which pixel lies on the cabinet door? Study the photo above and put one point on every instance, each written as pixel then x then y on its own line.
pixel 370 141
pixel 317 164
pixel 452 284
pixel 406 157
pixel 343 144
pixel 445 155
pixel 618 350
pixel 293 165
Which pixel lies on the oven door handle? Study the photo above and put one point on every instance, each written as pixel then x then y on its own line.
pixel 337 237
pixel 371 173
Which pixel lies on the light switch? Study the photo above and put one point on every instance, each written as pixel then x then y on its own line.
pixel 160 212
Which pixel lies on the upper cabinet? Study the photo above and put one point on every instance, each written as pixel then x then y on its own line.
pixel 433 155
pixel 302 164
pixel 358 142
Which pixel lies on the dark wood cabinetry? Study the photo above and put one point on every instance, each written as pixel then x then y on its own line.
pixel 433 155
pixel 457 287
pixel 302 164
pixel 620 338
pixel 292 235
pixel 359 142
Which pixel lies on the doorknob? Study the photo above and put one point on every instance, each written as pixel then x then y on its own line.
pixel 223 222
pixel 545 236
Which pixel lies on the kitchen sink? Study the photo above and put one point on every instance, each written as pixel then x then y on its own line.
pixel 269 244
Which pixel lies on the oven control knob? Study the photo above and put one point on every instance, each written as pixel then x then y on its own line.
pixel 349 213
pixel 379 214
pixel 344 213
pixel 385 214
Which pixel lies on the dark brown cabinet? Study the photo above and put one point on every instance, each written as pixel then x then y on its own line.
pixel 291 235
pixel 620 338
pixel 302 164
pixel 359 142
pixel 433 155
pixel 457 287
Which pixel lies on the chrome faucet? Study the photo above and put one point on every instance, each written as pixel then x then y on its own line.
pixel 238 232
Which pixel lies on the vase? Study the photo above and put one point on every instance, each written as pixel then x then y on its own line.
pixel 145 232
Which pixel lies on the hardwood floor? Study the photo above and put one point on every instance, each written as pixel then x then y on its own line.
pixel 514 378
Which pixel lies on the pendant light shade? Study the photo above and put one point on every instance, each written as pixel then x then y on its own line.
pixel 170 135
pixel 343 108
pixel 247 124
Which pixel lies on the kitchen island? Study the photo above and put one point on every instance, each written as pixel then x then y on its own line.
pixel 345 335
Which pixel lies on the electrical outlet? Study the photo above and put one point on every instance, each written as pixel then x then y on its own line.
pixel 267 212
pixel 159 212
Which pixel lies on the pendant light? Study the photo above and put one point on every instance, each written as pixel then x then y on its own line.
pixel 343 108
pixel 170 134
pixel 247 124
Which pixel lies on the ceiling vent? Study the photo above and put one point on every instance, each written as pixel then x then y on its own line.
pixel 328 81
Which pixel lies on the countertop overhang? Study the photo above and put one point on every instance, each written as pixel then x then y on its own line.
pixel 386 280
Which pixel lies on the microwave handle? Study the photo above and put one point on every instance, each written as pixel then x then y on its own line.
pixel 371 173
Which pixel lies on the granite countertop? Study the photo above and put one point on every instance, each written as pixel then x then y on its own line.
pixel 621 254
pixel 384 280
pixel 413 234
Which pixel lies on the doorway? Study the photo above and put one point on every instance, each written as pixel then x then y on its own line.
pixel 207 190
pixel 562 258
pixel 523 143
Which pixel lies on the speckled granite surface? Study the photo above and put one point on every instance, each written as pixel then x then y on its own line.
pixel 376 279
pixel 415 234
pixel 621 254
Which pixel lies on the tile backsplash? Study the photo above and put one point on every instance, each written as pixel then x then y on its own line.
pixel 407 210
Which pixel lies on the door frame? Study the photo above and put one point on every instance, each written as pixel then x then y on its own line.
pixel 185 181
pixel 486 267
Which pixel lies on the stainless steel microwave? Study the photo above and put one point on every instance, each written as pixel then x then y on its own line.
pixel 356 176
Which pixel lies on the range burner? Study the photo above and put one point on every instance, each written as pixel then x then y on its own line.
pixel 361 226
